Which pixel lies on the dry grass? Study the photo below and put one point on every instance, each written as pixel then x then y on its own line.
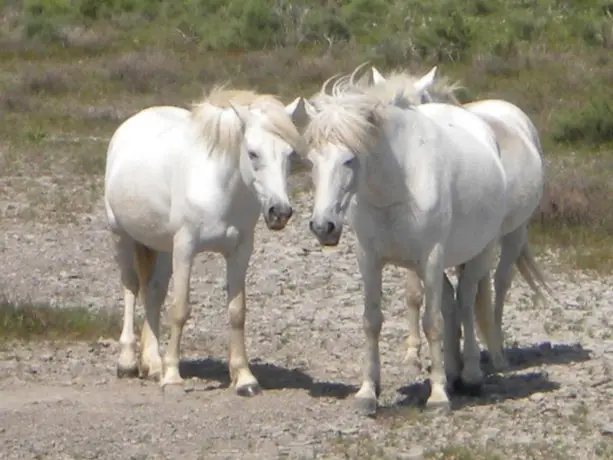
pixel 576 212
pixel 23 320
pixel 147 71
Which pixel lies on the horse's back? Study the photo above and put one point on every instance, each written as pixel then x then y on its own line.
pixel 521 156
pixel 478 182
pixel 509 114
pixel 142 160
pixel 471 140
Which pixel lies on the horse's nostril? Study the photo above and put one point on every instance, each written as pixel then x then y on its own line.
pixel 311 226
pixel 330 227
pixel 272 211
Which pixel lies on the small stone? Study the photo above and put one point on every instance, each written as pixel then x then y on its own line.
pixel 537 397
pixel 607 430
pixel 490 433
pixel 414 453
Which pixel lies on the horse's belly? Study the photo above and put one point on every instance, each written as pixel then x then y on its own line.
pixel 524 192
pixel 469 237
pixel 140 207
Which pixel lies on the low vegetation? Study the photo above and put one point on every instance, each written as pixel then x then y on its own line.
pixel 22 320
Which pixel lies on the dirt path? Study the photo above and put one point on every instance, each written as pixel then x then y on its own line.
pixel 304 338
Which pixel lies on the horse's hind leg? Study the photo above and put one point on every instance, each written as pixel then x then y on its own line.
pixel 511 247
pixel 127 365
pixel 414 298
pixel 154 272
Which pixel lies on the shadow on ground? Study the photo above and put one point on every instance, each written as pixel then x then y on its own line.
pixel 495 389
pixel 546 354
pixel 510 384
pixel 270 376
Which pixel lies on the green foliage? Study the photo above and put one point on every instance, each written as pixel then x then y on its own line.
pixel 445 29
pixel 592 124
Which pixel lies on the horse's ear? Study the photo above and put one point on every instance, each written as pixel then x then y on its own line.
pixel 297 111
pixel 376 76
pixel 242 113
pixel 426 81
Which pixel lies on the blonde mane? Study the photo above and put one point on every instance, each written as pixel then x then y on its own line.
pixel 402 84
pixel 352 118
pixel 220 127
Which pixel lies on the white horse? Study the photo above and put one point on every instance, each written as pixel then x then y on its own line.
pixel 521 154
pixel 428 195
pixel 180 182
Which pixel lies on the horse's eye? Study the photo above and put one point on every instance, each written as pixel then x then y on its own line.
pixel 349 162
pixel 252 155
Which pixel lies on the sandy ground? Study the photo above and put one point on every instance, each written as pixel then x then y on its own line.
pixel 305 341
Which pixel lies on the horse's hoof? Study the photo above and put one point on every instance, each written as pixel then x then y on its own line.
pixel 248 390
pixel 469 389
pixel 454 384
pixel 500 364
pixel 146 373
pixel 128 372
pixel 438 406
pixel 173 391
pixel 366 407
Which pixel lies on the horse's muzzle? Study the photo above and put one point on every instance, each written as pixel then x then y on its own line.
pixel 278 216
pixel 326 231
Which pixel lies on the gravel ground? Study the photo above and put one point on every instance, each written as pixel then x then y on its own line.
pixel 305 340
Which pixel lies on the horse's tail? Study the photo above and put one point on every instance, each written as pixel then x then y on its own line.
pixel 532 274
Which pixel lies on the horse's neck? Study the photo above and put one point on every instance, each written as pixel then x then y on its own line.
pixel 381 182
pixel 383 174
pixel 215 171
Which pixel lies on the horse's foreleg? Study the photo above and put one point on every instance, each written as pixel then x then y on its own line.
pixel 182 260
pixel 371 272
pixel 414 297
pixel 433 327
pixel 451 342
pixel 244 382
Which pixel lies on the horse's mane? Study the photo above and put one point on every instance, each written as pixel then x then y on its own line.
pixel 219 125
pixel 350 116
pixel 352 113
pixel 444 90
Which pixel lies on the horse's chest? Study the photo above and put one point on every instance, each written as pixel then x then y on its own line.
pixel 390 234
pixel 226 227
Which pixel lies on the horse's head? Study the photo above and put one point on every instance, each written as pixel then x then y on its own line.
pixel 339 135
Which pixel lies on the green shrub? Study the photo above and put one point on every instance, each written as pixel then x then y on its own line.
pixel 592 124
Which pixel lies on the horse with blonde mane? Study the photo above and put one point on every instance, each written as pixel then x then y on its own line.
pixel 180 182
pixel 521 154
pixel 424 195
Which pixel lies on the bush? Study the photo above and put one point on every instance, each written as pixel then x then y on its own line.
pixel 592 124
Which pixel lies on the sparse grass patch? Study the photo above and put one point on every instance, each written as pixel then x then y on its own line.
pixel 46 82
pixel 50 199
pixel 145 72
pixel 23 320
pixel 576 212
